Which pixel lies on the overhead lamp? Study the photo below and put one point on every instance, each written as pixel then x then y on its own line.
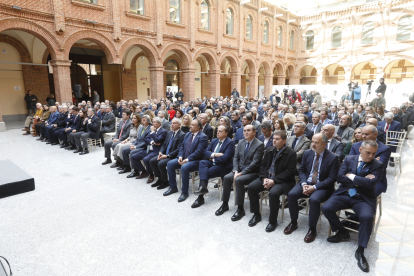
pixel 277 15
pixel 16 7
pixel 90 21
pixel 291 20
pixel 263 9
pixel 244 2
pixel 139 30
pixel 176 36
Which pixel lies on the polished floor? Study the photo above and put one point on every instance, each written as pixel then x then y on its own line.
pixel 85 219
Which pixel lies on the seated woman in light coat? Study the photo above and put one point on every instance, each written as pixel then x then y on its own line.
pixel 133 133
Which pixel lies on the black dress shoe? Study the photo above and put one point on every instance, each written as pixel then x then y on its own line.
pixel 157 183
pixel 271 227
pixel 84 152
pixel 78 150
pixel 125 169
pixel 120 168
pixel 255 220
pixel 223 208
pixel 48 143
pixel 163 185
pixel 115 165
pixel 198 202
pixel 72 148
pixel 45 140
pixel 170 191
pixel 183 197
pixel 362 262
pixel 201 191
pixel 106 162
pixel 40 138
pixel 133 174
pixel 238 215
pixel 339 236
pixel 63 145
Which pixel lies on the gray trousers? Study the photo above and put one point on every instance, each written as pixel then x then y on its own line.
pixel 108 145
pixel 241 181
pixel 81 135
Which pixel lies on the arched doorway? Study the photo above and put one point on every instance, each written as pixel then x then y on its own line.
pixel 230 76
pixel 249 79
pixel 397 71
pixel 308 75
pixel 334 74
pixel 278 75
pixel 290 71
pixel 362 72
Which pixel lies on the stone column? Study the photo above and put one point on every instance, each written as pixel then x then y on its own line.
pixel 294 80
pixel 268 85
pixel 253 83
pixel 281 80
pixel 157 82
pixel 236 81
pixel 189 84
pixel 61 77
pixel 214 82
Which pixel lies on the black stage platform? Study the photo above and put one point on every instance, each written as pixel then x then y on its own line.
pixel 13 180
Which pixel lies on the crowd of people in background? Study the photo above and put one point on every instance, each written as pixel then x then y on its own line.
pixel 290 143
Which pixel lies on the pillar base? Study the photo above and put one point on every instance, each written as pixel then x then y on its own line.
pixel 2 126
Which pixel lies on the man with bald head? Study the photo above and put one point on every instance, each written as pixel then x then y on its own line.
pixel 333 145
pixel 381 133
pixel 343 130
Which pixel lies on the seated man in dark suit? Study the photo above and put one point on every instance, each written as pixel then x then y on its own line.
pixel 389 124
pixel 93 126
pixel 246 120
pixel 317 176
pixel 168 151
pixel 206 128
pixel 381 133
pixel 303 118
pixel 246 168
pixel 155 139
pixel 122 133
pixel 333 145
pixel 64 117
pixel 267 137
pixel 358 177
pixel 189 156
pixel 218 162
pixel 74 124
pixel 57 134
pixel 108 121
pixel 298 141
pixel 277 175
pixel 316 125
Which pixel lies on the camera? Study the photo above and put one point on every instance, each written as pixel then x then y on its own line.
pixel 370 82
pixel 350 86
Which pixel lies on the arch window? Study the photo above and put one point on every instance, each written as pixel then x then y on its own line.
pixel 336 37
pixel 175 11
pixel 279 37
pixel 292 35
pixel 249 27
pixel 367 33
pixel 205 15
pixel 137 6
pixel 266 32
pixel 404 28
pixel 309 40
pixel 229 21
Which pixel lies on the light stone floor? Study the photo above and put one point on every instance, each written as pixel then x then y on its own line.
pixel 85 219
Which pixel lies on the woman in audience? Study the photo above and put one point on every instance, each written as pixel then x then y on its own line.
pixel 360 111
pixel 224 121
pixel 82 129
pixel 209 113
pixel 171 112
pixel 269 114
pixel 179 114
pixel 149 113
pixel 208 106
pixel 289 120
pixel 356 137
pixel 292 109
pixel 279 125
pixel 380 113
pixel 133 133
pixel 185 126
pixel 133 108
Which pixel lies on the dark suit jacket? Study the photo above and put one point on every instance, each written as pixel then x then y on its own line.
pixel 235 125
pixel 328 170
pixel 395 126
pixel 198 146
pixel 208 130
pixel 108 122
pixel 330 116
pixel 250 162
pixel 156 137
pixel 364 186
pixel 317 128
pixel 285 167
pixel 94 128
pixel 269 143
pixel 61 122
pixel 75 122
pixel 227 148
pixel 139 143
pixel 384 153
pixel 176 143
pixel 125 131
pixel 337 148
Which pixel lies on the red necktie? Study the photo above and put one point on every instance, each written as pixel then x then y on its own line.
pixel 388 125
pixel 120 134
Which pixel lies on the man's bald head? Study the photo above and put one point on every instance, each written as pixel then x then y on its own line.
pixel 372 122
pixel 369 133
pixel 328 130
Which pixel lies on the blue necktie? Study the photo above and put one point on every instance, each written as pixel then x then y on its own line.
pixel 294 142
pixel 188 146
pixel 246 149
pixel 170 143
pixel 352 191
pixel 218 149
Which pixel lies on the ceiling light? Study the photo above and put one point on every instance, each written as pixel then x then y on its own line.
pixel 263 9
pixel 90 21
pixel 291 20
pixel 277 15
pixel 244 2
pixel 16 7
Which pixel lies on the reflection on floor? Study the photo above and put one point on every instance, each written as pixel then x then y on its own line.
pixel 86 219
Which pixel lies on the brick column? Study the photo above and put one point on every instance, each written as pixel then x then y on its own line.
pixel 61 77
pixel 189 85
pixel 253 83
pixel 268 85
pixel 294 80
pixel 157 82
pixel 236 81
pixel 281 80
pixel 214 82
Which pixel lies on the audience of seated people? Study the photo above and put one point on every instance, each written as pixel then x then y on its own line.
pixel 296 149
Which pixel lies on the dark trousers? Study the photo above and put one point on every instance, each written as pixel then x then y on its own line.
pixel 275 192
pixel 56 135
pixel 186 169
pixel 45 131
pixel 37 127
pixel 65 135
pixel 107 146
pixel 51 133
pixel 145 157
pixel 240 182
pixel 362 209
pixel 126 154
pixel 207 170
pixel 159 167
pixel 315 200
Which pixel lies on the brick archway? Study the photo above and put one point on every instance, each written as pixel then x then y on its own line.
pixel 147 47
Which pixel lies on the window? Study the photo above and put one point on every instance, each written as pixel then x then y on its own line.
pixel 249 27
pixel 292 35
pixel 279 37
pixel 175 14
pixel 309 40
pixel 404 28
pixel 229 21
pixel 336 37
pixel 367 33
pixel 266 32
pixel 90 1
pixel 137 6
pixel 205 15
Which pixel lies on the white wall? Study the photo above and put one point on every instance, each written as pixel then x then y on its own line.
pixel 143 78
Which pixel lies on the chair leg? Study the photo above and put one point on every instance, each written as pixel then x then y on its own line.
pixel 399 162
pixel 283 206
pixel 234 192
pixel 380 206
pixel 261 202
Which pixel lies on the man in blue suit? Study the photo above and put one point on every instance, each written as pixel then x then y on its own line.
pixel 58 132
pixel 267 137
pixel 235 121
pixel 73 124
pixel 60 123
pixel 317 176
pixel 154 140
pixel 53 117
pixel 190 154
pixel 206 128
pixel 358 177
pixel 389 124
pixel 218 162
pixel 324 118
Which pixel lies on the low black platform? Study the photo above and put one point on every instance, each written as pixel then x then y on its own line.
pixel 14 180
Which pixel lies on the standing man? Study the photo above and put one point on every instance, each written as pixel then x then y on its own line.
pixel 246 164
pixel 382 88
pixel 358 177
pixel 277 175
pixel 95 97
pixel 356 93
pixel 30 100
pixel 235 93
pixel 169 94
